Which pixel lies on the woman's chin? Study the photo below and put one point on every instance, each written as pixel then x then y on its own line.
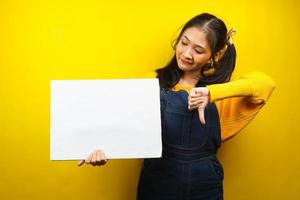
pixel 189 69
pixel 185 68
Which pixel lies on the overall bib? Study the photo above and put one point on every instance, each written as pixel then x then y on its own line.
pixel 188 168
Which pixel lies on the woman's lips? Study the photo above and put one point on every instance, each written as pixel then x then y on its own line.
pixel 185 62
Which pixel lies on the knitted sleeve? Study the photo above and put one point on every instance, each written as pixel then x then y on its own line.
pixel 239 100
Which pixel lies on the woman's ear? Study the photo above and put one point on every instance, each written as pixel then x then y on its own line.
pixel 218 56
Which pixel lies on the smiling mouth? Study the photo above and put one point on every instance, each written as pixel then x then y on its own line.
pixel 185 62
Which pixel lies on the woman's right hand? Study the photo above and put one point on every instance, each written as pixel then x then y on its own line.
pixel 96 158
pixel 199 97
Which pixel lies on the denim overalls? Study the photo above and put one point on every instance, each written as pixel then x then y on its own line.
pixel 188 168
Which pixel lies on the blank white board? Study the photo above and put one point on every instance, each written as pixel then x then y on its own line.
pixel 120 116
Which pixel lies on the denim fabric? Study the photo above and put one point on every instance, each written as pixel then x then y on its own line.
pixel 188 168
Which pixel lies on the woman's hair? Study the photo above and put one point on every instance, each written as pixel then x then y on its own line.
pixel 216 33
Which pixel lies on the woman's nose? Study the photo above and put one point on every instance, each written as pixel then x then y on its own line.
pixel 187 54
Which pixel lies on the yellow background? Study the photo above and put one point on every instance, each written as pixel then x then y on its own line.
pixel 44 40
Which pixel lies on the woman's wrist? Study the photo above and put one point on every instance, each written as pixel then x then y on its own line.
pixel 230 89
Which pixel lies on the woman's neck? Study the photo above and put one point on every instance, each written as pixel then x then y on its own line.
pixel 189 79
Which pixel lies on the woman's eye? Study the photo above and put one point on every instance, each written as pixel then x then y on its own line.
pixel 198 52
pixel 183 43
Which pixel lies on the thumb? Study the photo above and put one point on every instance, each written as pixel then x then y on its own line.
pixel 81 162
pixel 201 115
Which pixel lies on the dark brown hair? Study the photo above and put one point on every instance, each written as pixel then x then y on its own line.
pixel 216 32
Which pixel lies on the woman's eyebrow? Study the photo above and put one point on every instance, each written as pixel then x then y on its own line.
pixel 197 45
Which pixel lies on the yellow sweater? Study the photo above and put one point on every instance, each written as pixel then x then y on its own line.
pixel 239 100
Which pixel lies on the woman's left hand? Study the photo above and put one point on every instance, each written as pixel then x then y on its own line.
pixel 199 97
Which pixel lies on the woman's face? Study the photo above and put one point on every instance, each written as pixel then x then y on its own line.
pixel 192 50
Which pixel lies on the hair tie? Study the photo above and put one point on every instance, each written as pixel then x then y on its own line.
pixel 229 42
pixel 229 36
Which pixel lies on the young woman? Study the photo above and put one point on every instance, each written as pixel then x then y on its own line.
pixel 201 106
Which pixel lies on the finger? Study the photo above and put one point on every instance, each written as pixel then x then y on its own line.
pixel 103 158
pixel 196 95
pixel 193 103
pixel 89 158
pixel 201 98
pixel 201 115
pixel 197 102
pixel 192 107
pixel 196 105
pixel 94 157
pixel 81 162
pixel 196 99
pixel 98 160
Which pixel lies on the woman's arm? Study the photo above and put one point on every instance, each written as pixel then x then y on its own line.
pixel 239 101
pixel 255 85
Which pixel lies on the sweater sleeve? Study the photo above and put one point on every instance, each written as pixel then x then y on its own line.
pixel 239 100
